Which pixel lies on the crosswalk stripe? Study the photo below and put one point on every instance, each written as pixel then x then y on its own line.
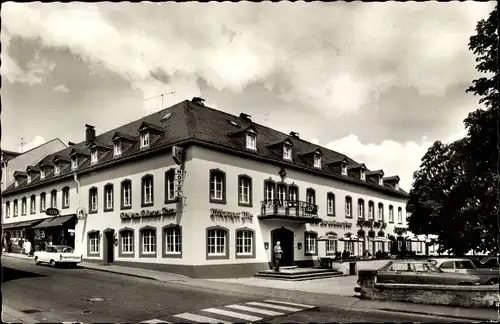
pixel 154 321
pixel 290 309
pixel 200 318
pixel 232 314
pixel 255 310
pixel 288 303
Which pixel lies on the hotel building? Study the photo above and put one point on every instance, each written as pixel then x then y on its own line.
pixel 197 191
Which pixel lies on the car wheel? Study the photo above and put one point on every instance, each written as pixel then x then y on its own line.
pixel 36 261
pixel 492 282
pixel 53 263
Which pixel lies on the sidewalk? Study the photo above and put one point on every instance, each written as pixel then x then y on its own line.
pixel 9 315
pixel 329 292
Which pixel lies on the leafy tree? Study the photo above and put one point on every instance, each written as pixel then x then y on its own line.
pixel 455 192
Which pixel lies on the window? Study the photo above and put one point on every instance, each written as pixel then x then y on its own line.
pixel 173 240
pixel 287 152
pixel 244 190
pixel 57 168
pixel 348 207
pixel 29 177
pixel 126 242
pixel 371 210
pixel 245 243
pixel 24 207
pixel 53 199
pixel 170 185
pixel 148 241
pixel 217 243
pixel 147 190
pixel 65 197
pixel 331 247
pixel 15 208
pixel 381 212
pixel 93 200
pixel 422 267
pixel 93 156
pixel 343 169
pixel 330 204
pixel 108 197
pixel 311 196
pixel 349 246
pixel 42 202
pixel 16 183
pixel 420 247
pixel 400 215
pixel 269 191
pixel 447 265
pixel 74 162
pixel 42 174
pixel 217 186
pixel 310 243
pixel 251 142
pixel 117 148
pixel 362 174
pixel 380 181
pixel 293 193
pixel 317 161
pixel 281 192
pixel 396 186
pixel 93 247
pixel 361 208
pixel 144 140
pixel 126 194
pixel 7 209
pixel 32 205
pixel 402 267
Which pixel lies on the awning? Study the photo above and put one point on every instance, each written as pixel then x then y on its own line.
pixel 351 238
pixel 381 239
pixel 54 221
pixel 328 237
pixel 20 224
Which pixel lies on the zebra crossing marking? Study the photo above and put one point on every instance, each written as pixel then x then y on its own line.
pixel 288 303
pixel 255 310
pixel 223 312
pixel 154 321
pixel 200 318
pixel 290 309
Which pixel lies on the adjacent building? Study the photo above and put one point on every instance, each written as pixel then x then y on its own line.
pixel 197 191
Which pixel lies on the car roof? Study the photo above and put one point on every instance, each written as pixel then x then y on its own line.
pixel 60 246
pixel 452 259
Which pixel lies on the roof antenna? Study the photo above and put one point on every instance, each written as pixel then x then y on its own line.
pixel 22 144
pixel 161 95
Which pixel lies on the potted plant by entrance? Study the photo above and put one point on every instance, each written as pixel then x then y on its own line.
pixel 381 233
pixel 371 233
pixel 361 232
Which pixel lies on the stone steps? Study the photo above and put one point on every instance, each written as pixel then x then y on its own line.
pixel 298 274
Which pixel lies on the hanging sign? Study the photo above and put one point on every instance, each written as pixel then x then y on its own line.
pixel 52 212
pixel 81 213
pixel 178 154
pixel 179 180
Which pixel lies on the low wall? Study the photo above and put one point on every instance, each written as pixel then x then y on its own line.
pixel 461 296
pixel 343 266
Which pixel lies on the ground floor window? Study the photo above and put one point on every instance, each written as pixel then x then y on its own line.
pixel 217 242
pixel 310 243
pixel 148 241
pixel 244 242
pixel 173 240
pixel 331 246
pixel 127 238
pixel 420 247
pixel 94 243
pixel 349 246
pixel 408 245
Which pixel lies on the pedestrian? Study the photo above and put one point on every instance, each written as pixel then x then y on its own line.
pixel 27 247
pixel 277 256
pixel 42 246
pixel 378 255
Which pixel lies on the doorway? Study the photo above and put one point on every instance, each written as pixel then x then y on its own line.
pixel 109 246
pixel 286 239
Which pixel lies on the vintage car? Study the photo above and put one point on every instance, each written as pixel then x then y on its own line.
pixel 57 255
pixel 490 262
pixel 466 266
pixel 418 272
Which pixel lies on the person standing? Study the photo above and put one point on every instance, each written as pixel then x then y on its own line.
pixel 27 247
pixel 278 252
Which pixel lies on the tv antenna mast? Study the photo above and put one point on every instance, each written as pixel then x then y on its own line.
pixel 22 144
pixel 160 95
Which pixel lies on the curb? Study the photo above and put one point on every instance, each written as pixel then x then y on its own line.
pixel 121 273
pixel 24 318
pixel 433 315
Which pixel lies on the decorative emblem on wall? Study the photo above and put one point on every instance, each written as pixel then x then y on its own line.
pixel 282 174
pixel 81 213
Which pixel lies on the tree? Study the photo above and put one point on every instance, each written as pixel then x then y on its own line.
pixel 455 192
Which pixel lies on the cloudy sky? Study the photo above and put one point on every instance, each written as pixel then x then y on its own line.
pixel 376 81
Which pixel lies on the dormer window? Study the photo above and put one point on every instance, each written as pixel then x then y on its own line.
pixel 344 169
pixel 117 149
pixel 362 174
pixel 57 168
pixel 317 161
pixel 396 186
pixel 29 177
pixel 93 156
pixel 251 142
pixel 16 183
pixel 287 152
pixel 42 174
pixel 144 140
pixel 380 181
pixel 74 162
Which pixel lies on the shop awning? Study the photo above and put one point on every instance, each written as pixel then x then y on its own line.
pixel 54 221
pixel 381 239
pixel 20 224
pixel 328 236
pixel 350 238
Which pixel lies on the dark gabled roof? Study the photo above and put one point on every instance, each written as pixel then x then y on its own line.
pixel 100 145
pixel 32 168
pixel 20 174
pixel 192 123
pixel 317 150
pixel 57 158
pixel 339 160
pixel 286 140
pixel 47 162
pixel 249 128
pixel 392 178
pixel 77 151
pixel 356 166
pixel 369 173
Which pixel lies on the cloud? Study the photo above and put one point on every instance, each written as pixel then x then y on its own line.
pixel 36 141
pixel 335 57
pixel 61 88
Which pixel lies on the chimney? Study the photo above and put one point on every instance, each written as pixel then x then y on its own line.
pixel 294 134
pixel 89 134
pixel 198 100
pixel 246 117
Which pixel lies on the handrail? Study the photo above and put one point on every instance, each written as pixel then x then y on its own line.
pixel 293 208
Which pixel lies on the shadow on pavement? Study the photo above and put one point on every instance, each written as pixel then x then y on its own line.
pixel 9 274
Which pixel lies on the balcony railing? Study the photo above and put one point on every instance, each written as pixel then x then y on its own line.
pixel 288 209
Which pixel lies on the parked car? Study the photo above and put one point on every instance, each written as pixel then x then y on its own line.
pixel 420 272
pixel 57 255
pixel 490 262
pixel 466 266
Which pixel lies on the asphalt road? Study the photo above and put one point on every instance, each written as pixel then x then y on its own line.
pixel 89 296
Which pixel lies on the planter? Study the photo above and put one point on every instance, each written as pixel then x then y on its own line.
pixel 371 233
pixel 361 233
pixel 381 233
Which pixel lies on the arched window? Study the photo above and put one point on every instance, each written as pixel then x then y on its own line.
pixel 330 204
pixel 172 241
pixel 217 243
pixel 126 194
pixel 109 197
pixel 93 200
pixel 65 197
pixel 245 243
pixel 147 242
pixel 126 243
pixel 170 186
pixel 93 243
pixel 348 207
pixel 217 186
pixel 310 243
pixel 244 190
pixel 147 190
pixel 361 208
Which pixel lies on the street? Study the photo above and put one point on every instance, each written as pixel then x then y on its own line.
pixel 84 295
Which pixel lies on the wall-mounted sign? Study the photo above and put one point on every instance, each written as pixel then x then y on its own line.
pixel 52 212
pixel 335 224
pixel 81 213
pixel 178 154
pixel 220 214
pixel 179 179
pixel 149 213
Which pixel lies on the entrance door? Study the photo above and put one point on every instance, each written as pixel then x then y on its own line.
pixel 285 237
pixel 109 247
